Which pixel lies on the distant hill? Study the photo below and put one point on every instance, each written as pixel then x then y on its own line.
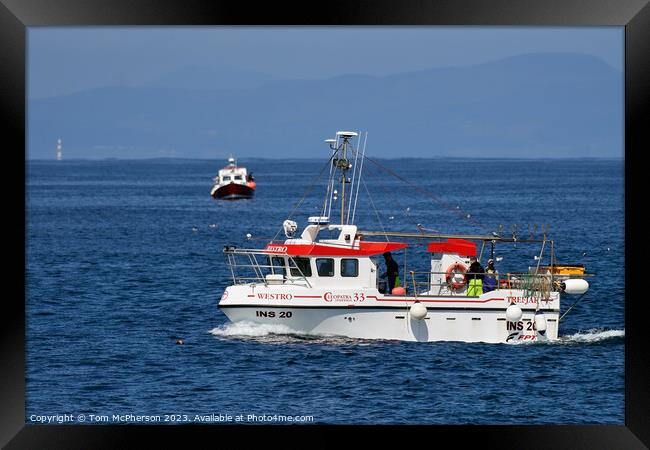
pixel 209 77
pixel 536 105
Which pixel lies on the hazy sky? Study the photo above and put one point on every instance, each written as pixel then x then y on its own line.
pixel 64 60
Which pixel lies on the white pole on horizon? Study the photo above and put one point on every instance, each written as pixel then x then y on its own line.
pixel 59 150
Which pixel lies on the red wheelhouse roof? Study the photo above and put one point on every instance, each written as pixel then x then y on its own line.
pixel 364 249
pixel 460 246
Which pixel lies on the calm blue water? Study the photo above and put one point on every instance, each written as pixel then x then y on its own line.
pixel 125 257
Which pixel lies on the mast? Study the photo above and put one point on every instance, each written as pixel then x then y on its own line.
pixel 342 163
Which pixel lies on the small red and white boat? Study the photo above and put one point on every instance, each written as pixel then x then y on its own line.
pixel 233 182
pixel 329 285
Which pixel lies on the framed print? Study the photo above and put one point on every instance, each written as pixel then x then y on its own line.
pixel 175 179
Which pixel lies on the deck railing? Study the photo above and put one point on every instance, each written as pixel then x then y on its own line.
pixel 248 266
pixel 435 283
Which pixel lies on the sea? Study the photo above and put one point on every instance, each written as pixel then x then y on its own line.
pixel 125 261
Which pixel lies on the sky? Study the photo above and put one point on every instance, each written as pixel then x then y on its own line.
pixel 70 59
pixel 154 71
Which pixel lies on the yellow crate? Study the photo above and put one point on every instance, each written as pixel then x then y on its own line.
pixel 564 269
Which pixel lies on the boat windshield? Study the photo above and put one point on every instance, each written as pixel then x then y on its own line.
pixel 304 267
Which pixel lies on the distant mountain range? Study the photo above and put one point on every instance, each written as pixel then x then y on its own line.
pixel 209 77
pixel 536 105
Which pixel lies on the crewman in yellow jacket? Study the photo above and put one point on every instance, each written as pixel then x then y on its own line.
pixel 474 277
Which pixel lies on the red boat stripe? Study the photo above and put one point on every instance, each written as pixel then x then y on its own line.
pixel 436 301
pixel 365 248
pixel 399 299
pixel 307 296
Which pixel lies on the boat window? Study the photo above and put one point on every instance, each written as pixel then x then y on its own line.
pixel 303 265
pixel 278 265
pixel 349 267
pixel 325 267
pixel 238 177
pixel 226 178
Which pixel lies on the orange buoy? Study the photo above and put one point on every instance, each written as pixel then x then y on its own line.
pixel 398 291
pixel 453 274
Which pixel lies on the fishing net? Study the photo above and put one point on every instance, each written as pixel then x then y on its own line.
pixel 536 285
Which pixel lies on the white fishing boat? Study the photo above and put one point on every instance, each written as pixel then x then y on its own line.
pixel 324 280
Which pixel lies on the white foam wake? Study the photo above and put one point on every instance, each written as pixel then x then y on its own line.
pixel 277 334
pixel 591 336
pixel 250 329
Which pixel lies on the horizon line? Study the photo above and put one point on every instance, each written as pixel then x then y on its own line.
pixel 482 158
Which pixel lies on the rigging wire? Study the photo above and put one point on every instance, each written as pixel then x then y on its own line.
pixel 457 211
pixel 354 211
pixel 441 202
pixel 388 194
pixel 330 187
pixel 316 178
pixel 401 208
pixel 376 212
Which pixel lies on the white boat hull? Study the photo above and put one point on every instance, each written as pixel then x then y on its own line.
pixel 480 319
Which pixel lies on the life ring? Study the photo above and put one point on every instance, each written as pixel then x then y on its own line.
pixel 453 280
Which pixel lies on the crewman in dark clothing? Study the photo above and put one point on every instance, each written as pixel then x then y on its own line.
pixel 490 279
pixel 474 278
pixel 392 272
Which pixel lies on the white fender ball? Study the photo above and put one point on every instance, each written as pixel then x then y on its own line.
pixel 514 313
pixel 575 286
pixel 540 322
pixel 418 311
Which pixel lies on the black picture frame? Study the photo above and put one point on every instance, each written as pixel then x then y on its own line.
pixel 17 15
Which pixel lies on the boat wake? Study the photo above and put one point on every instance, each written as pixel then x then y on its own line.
pixel 274 333
pixel 250 329
pixel 592 336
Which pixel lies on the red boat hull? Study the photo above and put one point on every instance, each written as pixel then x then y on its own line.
pixel 233 191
